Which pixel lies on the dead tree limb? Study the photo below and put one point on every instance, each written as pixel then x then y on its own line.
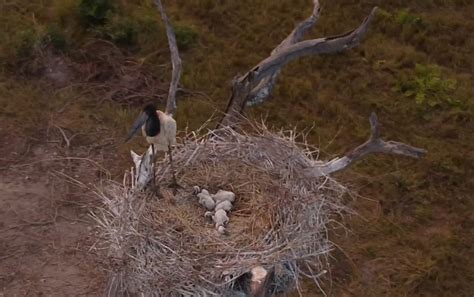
pixel 259 281
pixel 265 87
pixel 252 85
pixel 175 61
pixel 373 145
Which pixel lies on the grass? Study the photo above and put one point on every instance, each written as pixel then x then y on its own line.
pixel 429 90
pixel 412 238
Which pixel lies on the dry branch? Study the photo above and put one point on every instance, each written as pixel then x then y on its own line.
pixel 373 145
pixel 143 172
pixel 175 61
pixel 242 86
pixel 265 86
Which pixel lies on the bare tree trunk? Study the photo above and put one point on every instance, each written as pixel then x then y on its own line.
pixel 175 61
pixel 256 85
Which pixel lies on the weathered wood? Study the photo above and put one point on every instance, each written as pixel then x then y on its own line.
pixel 258 282
pixel 265 86
pixel 249 85
pixel 373 145
pixel 142 174
pixel 175 61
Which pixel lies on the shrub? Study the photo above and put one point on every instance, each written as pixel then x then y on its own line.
pixel 185 36
pixel 95 12
pixel 429 89
pixel 404 17
pixel 402 23
pixel 25 42
pixel 121 30
pixel 56 37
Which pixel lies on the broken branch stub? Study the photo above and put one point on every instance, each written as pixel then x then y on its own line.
pixel 143 172
pixel 175 61
pixel 373 145
pixel 258 281
pixel 251 83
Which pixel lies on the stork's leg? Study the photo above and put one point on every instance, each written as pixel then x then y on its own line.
pixel 153 166
pixel 175 184
pixel 156 188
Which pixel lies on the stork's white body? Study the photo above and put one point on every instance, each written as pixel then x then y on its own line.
pixel 167 135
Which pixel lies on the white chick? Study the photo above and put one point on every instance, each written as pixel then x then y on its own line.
pixel 221 230
pixel 208 216
pixel 225 205
pixel 220 218
pixel 206 201
pixel 222 195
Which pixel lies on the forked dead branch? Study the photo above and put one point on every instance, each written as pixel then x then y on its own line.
pixel 285 197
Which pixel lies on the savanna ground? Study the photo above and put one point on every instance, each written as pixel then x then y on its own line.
pixel 73 76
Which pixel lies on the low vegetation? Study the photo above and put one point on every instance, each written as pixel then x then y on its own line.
pixel 429 90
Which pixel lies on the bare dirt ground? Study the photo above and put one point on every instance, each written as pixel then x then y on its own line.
pixel 45 229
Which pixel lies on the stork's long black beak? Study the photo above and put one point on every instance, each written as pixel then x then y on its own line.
pixel 139 122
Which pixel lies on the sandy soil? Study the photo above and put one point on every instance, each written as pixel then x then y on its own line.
pixel 45 229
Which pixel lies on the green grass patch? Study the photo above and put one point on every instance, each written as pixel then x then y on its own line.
pixel 429 89
pixel 95 12
pixel 185 36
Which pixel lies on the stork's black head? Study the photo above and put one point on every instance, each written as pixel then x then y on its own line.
pixel 150 110
pixel 152 124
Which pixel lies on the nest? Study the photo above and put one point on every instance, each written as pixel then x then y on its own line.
pixel 280 220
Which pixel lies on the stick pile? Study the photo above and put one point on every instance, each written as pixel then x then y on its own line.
pixel 279 220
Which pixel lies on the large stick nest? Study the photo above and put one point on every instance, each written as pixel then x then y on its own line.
pixel 280 220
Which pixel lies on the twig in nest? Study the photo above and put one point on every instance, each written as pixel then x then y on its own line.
pixel 66 139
